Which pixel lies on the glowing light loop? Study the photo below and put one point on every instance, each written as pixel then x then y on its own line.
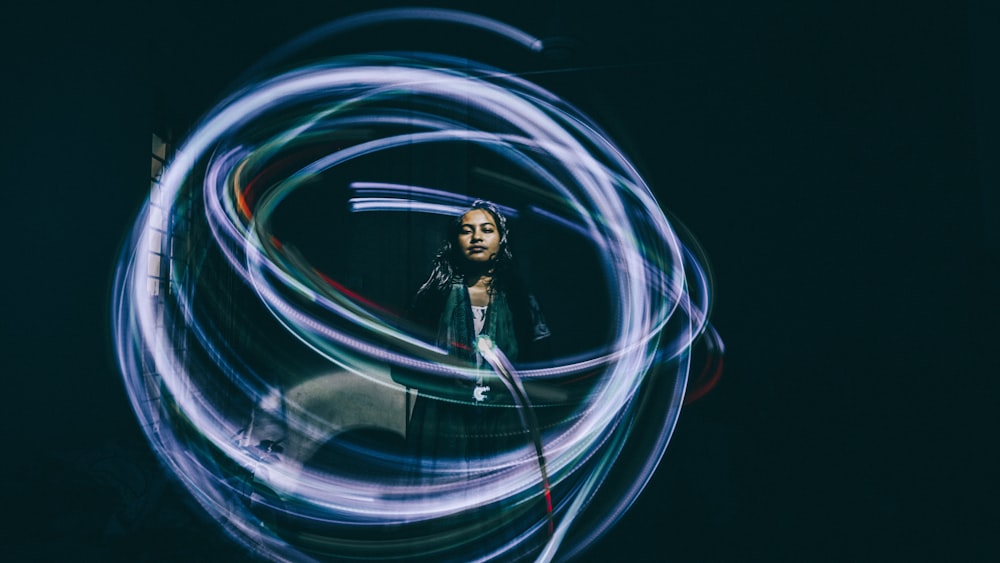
pixel 193 388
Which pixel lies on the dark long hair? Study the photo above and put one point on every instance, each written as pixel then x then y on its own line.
pixel 449 266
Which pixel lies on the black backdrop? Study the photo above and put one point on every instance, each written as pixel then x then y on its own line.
pixel 836 160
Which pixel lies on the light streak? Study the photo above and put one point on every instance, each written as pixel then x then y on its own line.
pixel 191 385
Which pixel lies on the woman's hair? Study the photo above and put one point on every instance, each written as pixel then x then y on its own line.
pixel 450 266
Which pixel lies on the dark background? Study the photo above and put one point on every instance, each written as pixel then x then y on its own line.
pixel 837 160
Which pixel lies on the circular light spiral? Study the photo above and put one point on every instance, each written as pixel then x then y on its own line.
pixel 206 254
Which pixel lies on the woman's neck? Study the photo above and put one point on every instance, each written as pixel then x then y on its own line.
pixel 479 289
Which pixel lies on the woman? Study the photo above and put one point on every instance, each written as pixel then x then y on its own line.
pixel 461 427
pixel 473 292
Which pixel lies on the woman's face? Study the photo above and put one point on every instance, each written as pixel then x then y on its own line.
pixel 478 237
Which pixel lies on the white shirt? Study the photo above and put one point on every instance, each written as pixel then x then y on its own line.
pixel 478 318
